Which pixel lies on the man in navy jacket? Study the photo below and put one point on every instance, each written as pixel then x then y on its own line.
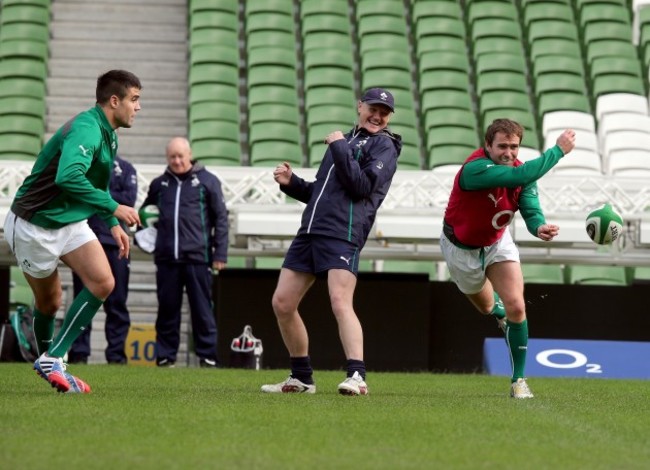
pixel 192 239
pixel 351 183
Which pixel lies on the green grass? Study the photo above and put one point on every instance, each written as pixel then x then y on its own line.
pixel 188 418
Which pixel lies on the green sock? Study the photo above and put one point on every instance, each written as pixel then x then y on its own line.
pixel 81 312
pixel 517 339
pixel 498 310
pixel 43 331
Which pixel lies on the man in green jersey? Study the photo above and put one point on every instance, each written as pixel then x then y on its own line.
pixel 483 259
pixel 47 222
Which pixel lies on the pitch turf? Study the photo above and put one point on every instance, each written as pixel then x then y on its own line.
pixel 188 418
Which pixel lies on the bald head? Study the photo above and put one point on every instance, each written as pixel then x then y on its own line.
pixel 179 155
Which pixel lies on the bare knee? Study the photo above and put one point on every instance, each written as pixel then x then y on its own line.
pixel 50 304
pixel 515 310
pixel 282 306
pixel 102 289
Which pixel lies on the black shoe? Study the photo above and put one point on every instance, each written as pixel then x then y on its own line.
pixel 208 363
pixel 165 363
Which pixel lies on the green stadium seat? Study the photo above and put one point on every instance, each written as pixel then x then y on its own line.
pixel 330 95
pixel 404 117
pixel 444 136
pixel 498 61
pixel 231 6
pixel 499 99
pixel 263 38
pixel 409 266
pixel 273 112
pixel 596 275
pixel 505 81
pixel 403 99
pixel 214 36
pixel 614 48
pixel 597 12
pixel 24 13
pixel 214 129
pixel 219 92
pixel 319 7
pixel 272 94
pixel 506 45
pixel 542 273
pixel 606 30
pixel 328 58
pixel 272 75
pixel 328 77
pixel 443 80
pixel 438 117
pixel 19 291
pixel 209 110
pixel 553 82
pixel 446 99
pixel 409 158
pixel 409 134
pixel 20 146
pixel 557 63
pixel 316 133
pixel 217 151
pixel 39 3
pixel 378 59
pixel 213 73
pixel 25 32
pixel 316 42
pixel 552 28
pixel 274 131
pixel 267 262
pixel 209 19
pixel 373 7
pixel 387 78
pixel 439 26
pixel 617 65
pixel 491 9
pixel 617 83
pixel 435 9
pixel 443 60
pixel 214 54
pixel 269 153
pixel 331 113
pixel 23 105
pixel 36 50
pixel 495 27
pixel 22 87
pixel 325 23
pixel 550 46
pixel 269 21
pixel 545 10
pixel 21 124
pixel 440 43
pixel 525 118
pixel 23 68
pixel 316 154
pixel 562 101
pixel 382 24
pixel 272 56
pixel 268 6
pixel 449 154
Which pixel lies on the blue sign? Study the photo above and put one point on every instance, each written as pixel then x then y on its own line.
pixel 572 358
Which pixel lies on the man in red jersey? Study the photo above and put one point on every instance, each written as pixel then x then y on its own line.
pixel 482 258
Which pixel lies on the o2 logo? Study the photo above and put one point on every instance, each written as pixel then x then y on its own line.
pixel 577 360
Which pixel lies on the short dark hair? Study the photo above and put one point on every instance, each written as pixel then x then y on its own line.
pixel 115 82
pixel 507 126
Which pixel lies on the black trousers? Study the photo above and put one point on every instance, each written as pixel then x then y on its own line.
pixel 117 322
pixel 196 279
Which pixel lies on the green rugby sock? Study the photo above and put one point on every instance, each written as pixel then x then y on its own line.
pixel 498 310
pixel 77 318
pixel 43 326
pixel 517 339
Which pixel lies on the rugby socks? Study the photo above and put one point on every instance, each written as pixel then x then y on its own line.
pixel 517 339
pixel 43 326
pixel 355 365
pixel 77 318
pixel 301 370
pixel 498 310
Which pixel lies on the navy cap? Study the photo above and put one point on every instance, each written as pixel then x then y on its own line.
pixel 379 96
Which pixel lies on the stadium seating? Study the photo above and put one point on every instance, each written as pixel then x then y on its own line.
pixel 542 273
pixel 595 275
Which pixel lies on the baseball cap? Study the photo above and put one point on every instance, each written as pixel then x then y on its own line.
pixel 379 96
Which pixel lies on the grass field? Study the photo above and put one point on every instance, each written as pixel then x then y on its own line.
pixel 188 418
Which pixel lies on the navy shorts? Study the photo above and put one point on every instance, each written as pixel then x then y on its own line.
pixel 316 254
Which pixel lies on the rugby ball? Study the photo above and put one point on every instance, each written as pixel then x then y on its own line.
pixel 149 215
pixel 604 225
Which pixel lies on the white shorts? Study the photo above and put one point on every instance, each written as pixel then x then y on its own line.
pixel 39 249
pixel 467 267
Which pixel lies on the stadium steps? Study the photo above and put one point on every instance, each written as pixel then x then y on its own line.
pixel 147 37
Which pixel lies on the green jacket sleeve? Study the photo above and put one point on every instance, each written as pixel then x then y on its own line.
pixel 530 208
pixel 483 173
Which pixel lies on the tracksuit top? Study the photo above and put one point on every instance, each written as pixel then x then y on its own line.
pixel 193 221
pixel 351 183
pixel 70 177
pixel 485 197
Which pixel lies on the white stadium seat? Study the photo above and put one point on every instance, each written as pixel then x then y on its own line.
pixel 635 163
pixel 621 102
pixel 560 120
pixel 633 141
pixel 617 122
pixel 580 162
pixel 585 140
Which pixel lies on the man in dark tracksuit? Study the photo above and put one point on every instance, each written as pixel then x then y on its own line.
pixel 351 183
pixel 192 239
pixel 123 188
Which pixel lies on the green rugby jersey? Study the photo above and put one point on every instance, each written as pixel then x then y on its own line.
pixel 69 180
